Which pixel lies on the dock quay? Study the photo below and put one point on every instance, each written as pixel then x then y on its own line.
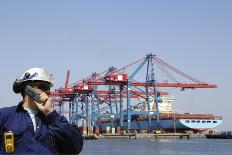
pixel 127 135
pixel 163 136
pixel 145 136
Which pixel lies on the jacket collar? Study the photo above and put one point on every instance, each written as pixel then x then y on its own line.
pixel 20 107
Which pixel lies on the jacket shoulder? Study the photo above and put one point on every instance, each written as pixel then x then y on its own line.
pixel 5 114
pixel 7 110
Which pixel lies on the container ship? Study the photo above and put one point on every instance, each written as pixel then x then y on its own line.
pixel 170 121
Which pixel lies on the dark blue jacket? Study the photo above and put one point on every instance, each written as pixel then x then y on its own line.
pixel 53 135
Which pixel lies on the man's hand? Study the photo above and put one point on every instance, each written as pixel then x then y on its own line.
pixel 46 104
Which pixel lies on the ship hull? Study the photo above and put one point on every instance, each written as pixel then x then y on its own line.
pixel 168 125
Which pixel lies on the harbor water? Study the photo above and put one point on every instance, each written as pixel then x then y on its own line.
pixel 157 147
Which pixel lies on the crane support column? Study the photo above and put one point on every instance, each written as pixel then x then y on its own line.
pixel 87 111
pixel 98 108
pixel 128 106
pixel 111 109
pixel 76 101
pixel 115 101
pixel 121 106
pixel 148 108
pixel 157 105
pixel 93 109
pixel 82 113
pixel 69 116
pixel 73 110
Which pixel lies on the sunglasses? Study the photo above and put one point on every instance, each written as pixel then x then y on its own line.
pixel 42 86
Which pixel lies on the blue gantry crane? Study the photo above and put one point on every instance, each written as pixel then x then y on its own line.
pixel 109 95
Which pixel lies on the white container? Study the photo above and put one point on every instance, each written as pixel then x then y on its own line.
pixel 113 131
pixel 107 129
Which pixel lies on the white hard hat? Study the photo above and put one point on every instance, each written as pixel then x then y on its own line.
pixel 37 74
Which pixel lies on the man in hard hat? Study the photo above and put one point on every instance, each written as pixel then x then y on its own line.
pixel 33 127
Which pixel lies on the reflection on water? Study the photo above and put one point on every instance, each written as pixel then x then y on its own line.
pixel 158 147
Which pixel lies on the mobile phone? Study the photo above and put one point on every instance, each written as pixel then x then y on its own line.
pixel 32 93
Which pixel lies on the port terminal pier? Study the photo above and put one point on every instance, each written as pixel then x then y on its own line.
pixel 157 134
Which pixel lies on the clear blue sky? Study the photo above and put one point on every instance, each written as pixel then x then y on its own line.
pixel 87 36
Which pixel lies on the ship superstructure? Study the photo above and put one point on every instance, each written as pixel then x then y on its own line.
pixel 164 104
